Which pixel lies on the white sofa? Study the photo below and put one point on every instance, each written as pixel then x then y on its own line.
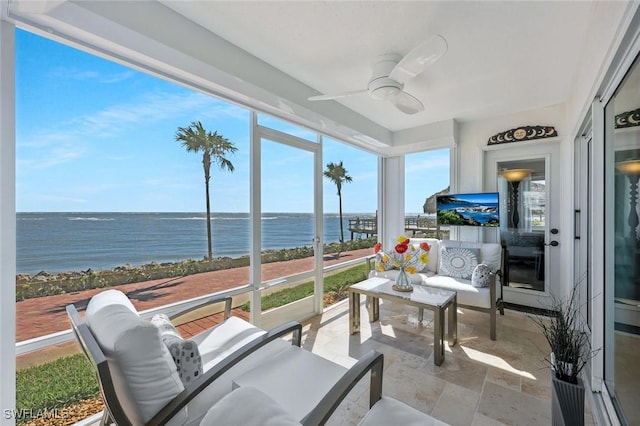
pixel 484 299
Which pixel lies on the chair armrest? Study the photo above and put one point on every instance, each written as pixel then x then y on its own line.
pixel 368 263
pixel 194 389
pixel 373 361
pixel 213 300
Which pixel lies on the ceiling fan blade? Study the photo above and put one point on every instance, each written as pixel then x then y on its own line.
pixel 406 103
pixel 419 58
pixel 337 95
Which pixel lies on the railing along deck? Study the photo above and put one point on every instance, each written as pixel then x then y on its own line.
pixel 414 224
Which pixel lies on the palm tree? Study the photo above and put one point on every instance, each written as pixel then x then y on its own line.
pixel 214 147
pixel 338 175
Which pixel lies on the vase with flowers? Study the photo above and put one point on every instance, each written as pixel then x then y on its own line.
pixel 406 257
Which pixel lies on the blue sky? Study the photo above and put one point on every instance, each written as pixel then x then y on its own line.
pixel 95 136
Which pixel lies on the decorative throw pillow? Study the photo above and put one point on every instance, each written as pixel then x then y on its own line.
pixel 186 355
pixel 421 259
pixel 383 262
pixel 458 262
pixel 481 275
pixel 168 333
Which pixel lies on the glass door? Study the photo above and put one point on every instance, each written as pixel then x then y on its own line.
pixel 622 247
pixel 523 190
pixel 528 180
pixel 290 229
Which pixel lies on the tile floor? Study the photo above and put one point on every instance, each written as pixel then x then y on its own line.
pixel 481 382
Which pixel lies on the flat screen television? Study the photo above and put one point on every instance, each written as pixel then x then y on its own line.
pixel 480 209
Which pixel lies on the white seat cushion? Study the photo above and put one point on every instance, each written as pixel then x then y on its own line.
pixel 466 293
pixel 388 411
pixel 247 406
pixel 223 385
pixel 392 274
pixel 297 380
pixel 218 342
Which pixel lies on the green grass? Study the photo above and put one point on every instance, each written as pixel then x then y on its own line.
pixel 56 384
pixel 337 282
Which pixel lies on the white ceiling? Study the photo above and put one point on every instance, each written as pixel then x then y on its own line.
pixel 503 57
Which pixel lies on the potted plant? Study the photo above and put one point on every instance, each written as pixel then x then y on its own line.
pixel 570 352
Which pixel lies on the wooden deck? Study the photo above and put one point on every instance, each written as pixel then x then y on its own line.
pixel 414 224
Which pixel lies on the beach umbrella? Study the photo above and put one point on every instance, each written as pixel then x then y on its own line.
pixel 429 205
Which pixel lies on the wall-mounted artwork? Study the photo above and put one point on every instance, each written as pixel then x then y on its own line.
pixel 468 209
pixel 524 133
pixel 628 119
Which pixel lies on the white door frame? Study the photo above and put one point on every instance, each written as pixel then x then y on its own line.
pixel 308 307
pixel 549 151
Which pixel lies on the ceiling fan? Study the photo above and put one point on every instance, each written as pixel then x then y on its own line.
pixel 391 71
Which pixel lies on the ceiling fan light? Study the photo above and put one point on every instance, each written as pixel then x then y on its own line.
pixel 383 88
pixel 384 92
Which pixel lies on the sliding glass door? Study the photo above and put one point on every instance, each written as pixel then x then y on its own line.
pixel 622 246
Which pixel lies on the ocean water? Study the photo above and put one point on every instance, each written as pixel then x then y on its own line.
pixel 58 242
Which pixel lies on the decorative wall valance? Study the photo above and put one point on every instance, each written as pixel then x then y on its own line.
pixel 628 119
pixel 524 133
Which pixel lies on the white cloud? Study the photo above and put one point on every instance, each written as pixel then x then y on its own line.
pixel 68 141
pixel 53 157
pixel 88 75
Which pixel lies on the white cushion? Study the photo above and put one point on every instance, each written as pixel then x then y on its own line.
pixel 297 380
pixel 491 255
pixel 393 274
pixel 466 293
pixel 107 298
pixel 220 387
pixel 218 342
pixel 388 411
pixel 143 372
pixel 247 406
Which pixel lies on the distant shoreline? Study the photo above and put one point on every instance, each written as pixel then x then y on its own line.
pixel 68 241
pixel 46 283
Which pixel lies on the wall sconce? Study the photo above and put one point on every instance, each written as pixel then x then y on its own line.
pixel 514 176
pixel 631 169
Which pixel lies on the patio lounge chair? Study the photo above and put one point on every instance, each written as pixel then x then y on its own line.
pixel 138 378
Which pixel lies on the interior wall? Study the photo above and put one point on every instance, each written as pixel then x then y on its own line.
pixel 604 38
pixel 473 137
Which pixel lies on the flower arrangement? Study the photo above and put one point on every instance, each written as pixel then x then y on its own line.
pixel 403 256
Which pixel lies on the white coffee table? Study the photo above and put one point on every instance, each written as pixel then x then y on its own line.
pixel 435 299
